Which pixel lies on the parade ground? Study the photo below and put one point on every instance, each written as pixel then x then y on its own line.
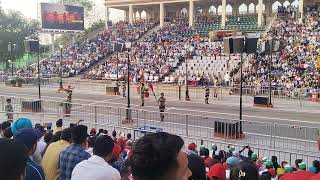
pixel 292 124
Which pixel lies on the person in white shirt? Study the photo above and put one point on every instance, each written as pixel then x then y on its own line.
pixel 97 167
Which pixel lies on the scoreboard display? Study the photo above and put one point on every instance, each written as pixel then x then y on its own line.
pixel 62 17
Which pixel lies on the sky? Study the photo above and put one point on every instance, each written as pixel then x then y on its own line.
pixel 29 7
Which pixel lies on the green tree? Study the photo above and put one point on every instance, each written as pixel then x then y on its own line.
pixel 15 28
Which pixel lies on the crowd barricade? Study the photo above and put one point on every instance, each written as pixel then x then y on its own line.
pixel 296 136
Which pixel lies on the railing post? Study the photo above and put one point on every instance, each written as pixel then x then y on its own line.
pixel 144 117
pixel 187 125
pixel 95 115
pixel 271 134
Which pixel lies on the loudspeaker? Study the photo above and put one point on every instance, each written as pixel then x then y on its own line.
pixel 228 45
pixel 238 45
pixel 251 45
pixel 118 47
pixel 31 46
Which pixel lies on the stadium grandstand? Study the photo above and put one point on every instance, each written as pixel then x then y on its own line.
pixel 180 45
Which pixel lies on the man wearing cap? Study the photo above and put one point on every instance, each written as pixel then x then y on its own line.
pixel 75 153
pixel 97 167
pixel 192 149
pixel 50 161
pixel 29 138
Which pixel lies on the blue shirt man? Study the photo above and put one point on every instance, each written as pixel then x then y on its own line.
pixel 75 153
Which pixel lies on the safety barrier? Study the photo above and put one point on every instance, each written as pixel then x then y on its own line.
pixel 297 136
pixel 188 131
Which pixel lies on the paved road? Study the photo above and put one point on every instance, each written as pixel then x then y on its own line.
pixel 200 117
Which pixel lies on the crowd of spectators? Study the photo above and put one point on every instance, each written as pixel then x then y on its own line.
pixel 35 153
pixel 79 57
pixel 296 65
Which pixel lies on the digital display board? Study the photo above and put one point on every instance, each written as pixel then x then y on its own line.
pixel 62 17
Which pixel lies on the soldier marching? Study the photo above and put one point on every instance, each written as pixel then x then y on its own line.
pixel 162 105
pixel 207 93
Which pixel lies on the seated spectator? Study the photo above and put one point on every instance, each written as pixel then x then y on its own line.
pixel 158 156
pixel 315 168
pixel 197 167
pixel 74 153
pixel 192 148
pixel 204 153
pixel 29 137
pixel 50 161
pixel 245 170
pixel 97 167
pixel 13 159
pixel 217 172
pixel 114 136
pixel 93 132
pixel 117 161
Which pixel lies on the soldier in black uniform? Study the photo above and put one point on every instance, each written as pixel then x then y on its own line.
pixel 67 104
pixel 124 88
pixel 207 93
pixel 142 92
pixel 162 105
pixel 9 109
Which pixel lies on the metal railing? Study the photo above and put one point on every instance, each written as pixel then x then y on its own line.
pixel 296 136
pixel 188 131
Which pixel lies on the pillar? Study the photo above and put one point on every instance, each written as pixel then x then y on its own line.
pixel 191 11
pixel 223 18
pixel 126 15
pixel 161 15
pixel 268 5
pixel 130 14
pixel 259 6
pixel 135 16
pixel 106 15
pixel 301 10
pixel 52 43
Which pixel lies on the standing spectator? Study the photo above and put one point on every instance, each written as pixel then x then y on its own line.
pixel 158 156
pixel 29 138
pixel 75 153
pixel 13 158
pixel 59 125
pixel 97 167
pixel 91 141
pixel 9 109
pixel 114 136
pixel 50 161
pixel 3 127
pixel 20 124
